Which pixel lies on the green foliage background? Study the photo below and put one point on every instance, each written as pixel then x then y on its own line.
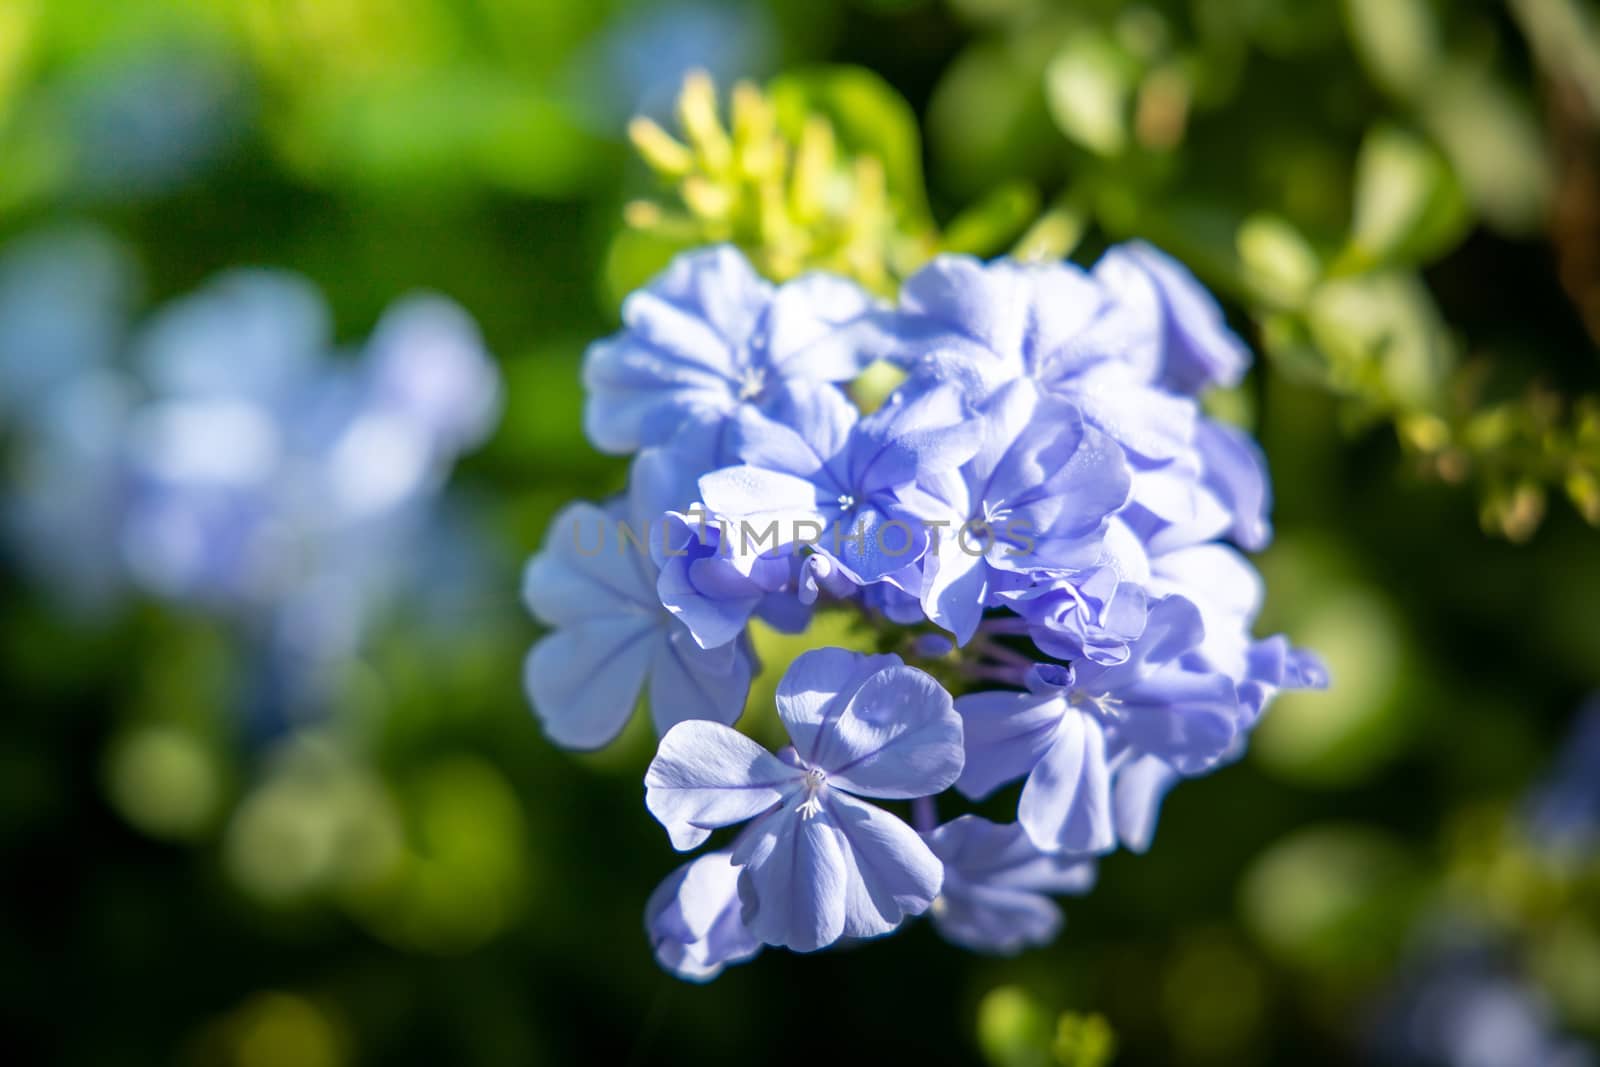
pixel 1400 201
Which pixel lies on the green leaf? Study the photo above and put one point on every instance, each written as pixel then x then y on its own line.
pixel 993 222
pixel 1013 1030
pixel 1084 1040
pixel 1495 144
pixel 633 258
pixel 1334 899
pixel 869 119
pixel 1383 336
pixel 1089 87
pixel 1398 42
pixel 1280 266
pixel 1409 207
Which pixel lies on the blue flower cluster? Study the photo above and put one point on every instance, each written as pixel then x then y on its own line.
pixel 225 456
pixel 1040 514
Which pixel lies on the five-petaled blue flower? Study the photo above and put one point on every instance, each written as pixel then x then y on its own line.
pixel 818 863
pixel 709 338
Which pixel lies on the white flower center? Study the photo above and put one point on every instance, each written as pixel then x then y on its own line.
pixel 815 781
pixel 847 501
pixel 995 514
pixel 752 383
pixel 1107 707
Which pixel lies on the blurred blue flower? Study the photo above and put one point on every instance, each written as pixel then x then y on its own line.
pixel 1461 1003
pixel 637 65
pixel 66 297
pixel 145 120
pixel 1563 812
pixel 225 459
pixel 997 886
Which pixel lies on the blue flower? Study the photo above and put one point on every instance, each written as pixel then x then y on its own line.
pixel 1068 733
pixel 1198 349
pixel 707 339
pixel 814 465
pixel 817 863
pixel 1234 471
pixel 65 299
pixel 222 459
pixel 1460 1001
pixel 1564 810
pixel 997 886
pixel 426 360
pixel 220 452
pixel 714 595
pixel 595 585
pixel 1036 497
pixel 255 335
pixel 983 325
pixel 693 919
pixel 1094 615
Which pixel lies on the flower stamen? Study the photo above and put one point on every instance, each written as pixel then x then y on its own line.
pixel 815 781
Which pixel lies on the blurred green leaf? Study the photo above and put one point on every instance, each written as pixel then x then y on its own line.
pixel 1343 735
pixel 1089 86
pixel 1333 898
pixel 1398 40
pixel 1409 207
pixel 462 875
pixel 986 227
pixel 167 780
pixel 1013 1030
pixel 869 118
pixel 1495 144
pixel 987 120
pixel 1280 266
pixel 1384 339
pixel 1084 1041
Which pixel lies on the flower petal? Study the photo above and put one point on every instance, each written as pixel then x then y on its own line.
pixel 898 737
pixel 1002 854
pixel 817 688
pixel 690 682
pixel 707 775
pixel 955 587
pixel 587 571
pixel 1188 719
pixel 809 328
pixel 1005 733
pixel 584 679
pixel 756 500
pixel 911 436
pixel 693 919
pixel 996 920
pixel 1066 802
pixel 893 872
pixel 1141 786
pixel 794 882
